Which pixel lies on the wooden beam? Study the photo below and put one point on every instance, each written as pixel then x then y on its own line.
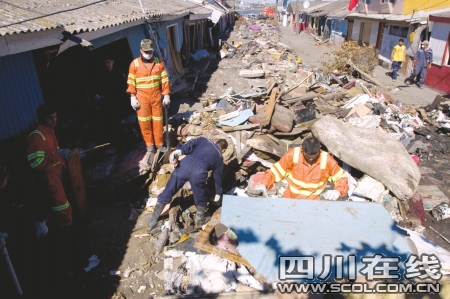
pixel 270 108
pixel 240 128
pixel 76 176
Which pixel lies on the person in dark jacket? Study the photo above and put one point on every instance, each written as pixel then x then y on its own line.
pixel 194 159
pixel 423 60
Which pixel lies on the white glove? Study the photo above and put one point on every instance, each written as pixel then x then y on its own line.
pixel 98 97
pixel 41 229
pixel 331 194
pixel 166 100
pixel 174 156
pixel 135 103
pixel 65 153
pixel 260 189
pixel 217 198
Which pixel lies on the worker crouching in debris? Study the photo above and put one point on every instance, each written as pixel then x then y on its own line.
pixel 148 81
pixel 47 161
pixel 194 159
pixel 307 170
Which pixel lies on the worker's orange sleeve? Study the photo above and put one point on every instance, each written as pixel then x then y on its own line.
pixel 36 156
pixel 165 84
pixel 131 81
pixel 279 170
pixel 337 176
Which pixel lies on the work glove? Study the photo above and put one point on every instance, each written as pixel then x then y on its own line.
pixel 331 194
pixel 135 103
pixel 41 229
pixel 166 100
pixel 216 198
pixel 65 153
pixel 98 97
pixel 174 156
pixel 260 189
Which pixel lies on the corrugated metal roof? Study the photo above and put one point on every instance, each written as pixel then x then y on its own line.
pixel 82 15
pixel 299 6
pixel 441 15
pixel 330 8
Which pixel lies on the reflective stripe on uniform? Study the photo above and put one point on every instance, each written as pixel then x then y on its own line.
pixel 36 132
pixel 165 80
pixel 157 117
pixel 296 155
pixel 37 162
pixel 142 79
pixel 147 86
pixel 136 62
pixel 163 73
pixel 305 192
pixel 323 160
pixel 131 82
pixel 36 154
pixel 339 175
pixel 278 171
pixel 148 118
pixel 304 184
pixel 61 207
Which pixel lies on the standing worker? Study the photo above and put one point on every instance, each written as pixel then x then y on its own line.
pixel 423 60
pixel 47 161
pixel 397 58
pixel 307 170
pixel 194 159
pixel 147 83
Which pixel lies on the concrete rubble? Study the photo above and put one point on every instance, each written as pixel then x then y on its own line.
pixel 264 100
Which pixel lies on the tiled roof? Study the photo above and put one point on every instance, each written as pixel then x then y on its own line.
pixel 82 15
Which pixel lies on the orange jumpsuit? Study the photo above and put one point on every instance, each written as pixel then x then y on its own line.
pixel 48 166
pixel 148 83
pixel 306 181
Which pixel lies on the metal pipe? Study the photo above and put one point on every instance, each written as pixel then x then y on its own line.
pixel 9 264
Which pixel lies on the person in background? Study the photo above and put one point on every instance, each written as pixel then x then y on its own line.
pixel 307 170
pixel 397 58
pixel 422 60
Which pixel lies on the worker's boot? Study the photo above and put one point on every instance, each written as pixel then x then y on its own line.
pixel 201 218
pixel 162 148
pixel 153 218
pixel 151 153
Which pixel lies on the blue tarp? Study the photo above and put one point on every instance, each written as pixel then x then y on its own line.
pixel 268 228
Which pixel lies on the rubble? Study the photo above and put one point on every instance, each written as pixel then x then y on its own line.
pixel 263 100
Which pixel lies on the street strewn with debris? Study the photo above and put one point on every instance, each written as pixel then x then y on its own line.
pixel 261 93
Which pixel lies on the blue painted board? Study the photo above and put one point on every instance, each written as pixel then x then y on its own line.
pixel 270 227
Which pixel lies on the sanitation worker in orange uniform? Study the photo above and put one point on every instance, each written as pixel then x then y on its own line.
pixel 149 89
pixel 307 170
pixel 47 161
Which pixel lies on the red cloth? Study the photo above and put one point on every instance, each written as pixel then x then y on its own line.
pixel 352 4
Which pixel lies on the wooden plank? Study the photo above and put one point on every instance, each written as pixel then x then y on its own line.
pixel 265 144
pixel 270 108
pixel 295 131
pixel 243 153
pixel 229 115
pixel 202 243
pixel 337 79
pixel 240 128
pixel 271 86
pixel 238 142
pixel 76 176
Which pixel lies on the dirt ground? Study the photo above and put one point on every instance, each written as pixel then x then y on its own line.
pixel 110 229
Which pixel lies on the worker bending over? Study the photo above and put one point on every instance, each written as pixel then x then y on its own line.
pixel 194 159
pixel 147 83
pixel 307 170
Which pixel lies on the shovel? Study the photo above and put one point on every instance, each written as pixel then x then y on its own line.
pixel 166 119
